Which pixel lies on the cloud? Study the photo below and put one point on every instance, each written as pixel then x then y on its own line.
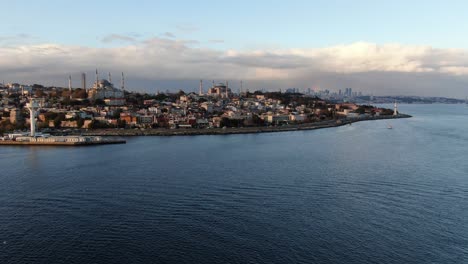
pixel 216 41
pixel 117 38
pixel 380 69
pixel 18 38
pixel 187 28
pixel 168 35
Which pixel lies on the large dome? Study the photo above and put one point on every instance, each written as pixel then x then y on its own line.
pixel 104 82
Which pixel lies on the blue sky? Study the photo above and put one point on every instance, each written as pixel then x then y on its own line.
pixel 380 47
pixel 241 24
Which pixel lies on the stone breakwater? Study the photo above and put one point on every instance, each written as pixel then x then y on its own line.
pixel 228 131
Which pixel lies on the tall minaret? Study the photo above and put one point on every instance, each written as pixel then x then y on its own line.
pixel 70 86
pixel 200 92
pixel 227 86
pixel 395 109
pixel 110 78
pixel 240 90
pixel 122 84
pixel 83 81
pixel 97 78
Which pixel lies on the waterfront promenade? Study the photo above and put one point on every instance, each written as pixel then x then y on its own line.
pixel 227 131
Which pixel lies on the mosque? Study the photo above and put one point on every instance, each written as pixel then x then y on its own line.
pixel 104 89
pixel 220 90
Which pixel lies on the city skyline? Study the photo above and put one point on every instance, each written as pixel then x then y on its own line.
pixel 378 48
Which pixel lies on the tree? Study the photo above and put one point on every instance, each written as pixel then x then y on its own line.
pixel 80 93
pixel 116 114
pixel 227 122
pixel 99 102
pixel 5 126
pixel 160 97
pixel 180 93
pixel 121 123
pixel 37 86
pixel 58 120
pixel 386 112
pixel 361 110
pixel 96 124
pixel 39 93
pixel 79 122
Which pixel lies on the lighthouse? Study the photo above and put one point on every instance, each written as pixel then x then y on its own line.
pixel 395 109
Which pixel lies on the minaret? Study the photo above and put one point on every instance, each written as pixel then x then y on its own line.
pixel 240 90
pixel 200 92
pixel 70 86
pixel 22 91
pixel 97 78
pixel 83 81
pixel 110 78
pixel 123 82
pixel 395 109
pixel 227 85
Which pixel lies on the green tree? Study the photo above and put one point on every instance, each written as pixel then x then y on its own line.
pixel 361 110
pixel 121 123
pixel 99 102
pixel 80 93
pixel 58 120
pixel 116 114
pixel 79 122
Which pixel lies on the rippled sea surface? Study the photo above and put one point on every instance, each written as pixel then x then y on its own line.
pixel 354 194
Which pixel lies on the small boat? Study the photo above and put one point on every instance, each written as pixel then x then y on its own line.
pixel 389 126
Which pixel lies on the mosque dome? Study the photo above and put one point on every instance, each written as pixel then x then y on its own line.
pixel 104 82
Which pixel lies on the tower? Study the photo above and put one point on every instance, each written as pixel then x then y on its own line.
pixel 227 85
pixel 32 106
pixel 70 86
pixel 240 90
pixel 83 81
pixel 110 77
pixel 97 78
pixel 200 92
pixel 122 82
pixel 395 109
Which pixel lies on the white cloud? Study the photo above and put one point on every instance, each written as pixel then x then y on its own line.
pixel 216 41
pixel 359 63
pixel 117 38
pixel 168 35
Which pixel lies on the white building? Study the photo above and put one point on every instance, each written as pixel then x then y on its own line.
pixel 106 91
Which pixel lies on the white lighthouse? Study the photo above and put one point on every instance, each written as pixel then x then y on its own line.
pixel 395 109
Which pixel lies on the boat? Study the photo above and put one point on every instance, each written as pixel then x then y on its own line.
pixel 389 126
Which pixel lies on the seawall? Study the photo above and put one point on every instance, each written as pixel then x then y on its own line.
pixel 228 131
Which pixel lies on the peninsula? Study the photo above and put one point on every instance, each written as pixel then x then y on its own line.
pixel 104 110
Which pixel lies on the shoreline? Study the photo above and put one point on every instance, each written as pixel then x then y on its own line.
pixel 235 130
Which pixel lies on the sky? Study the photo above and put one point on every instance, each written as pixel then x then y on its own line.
pixel 379 47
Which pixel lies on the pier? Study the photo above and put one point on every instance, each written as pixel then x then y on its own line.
pixel 39 139
pixel 62 141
